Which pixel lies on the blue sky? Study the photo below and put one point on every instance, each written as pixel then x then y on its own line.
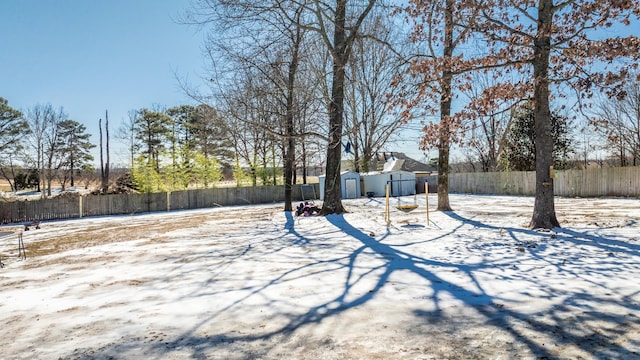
pixel 89 56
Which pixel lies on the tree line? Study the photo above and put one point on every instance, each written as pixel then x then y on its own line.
pixel 168 149
pixel 42 146
pixel 462 69
pixel 298 82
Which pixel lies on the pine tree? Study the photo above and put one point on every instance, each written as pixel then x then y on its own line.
pixel 520 152
pixel 74 148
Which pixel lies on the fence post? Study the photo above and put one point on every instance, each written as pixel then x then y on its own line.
pixel 168 200
pixel 80 205
pixel 426 191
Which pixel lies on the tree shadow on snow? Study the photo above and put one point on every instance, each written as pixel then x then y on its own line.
pixel 580 319
pixel 597 324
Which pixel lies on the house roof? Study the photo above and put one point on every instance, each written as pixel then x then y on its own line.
pixel 405 163
pixel 382 161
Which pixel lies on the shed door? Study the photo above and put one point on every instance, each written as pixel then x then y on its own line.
pixel 350 188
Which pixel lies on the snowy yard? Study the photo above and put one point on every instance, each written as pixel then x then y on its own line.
pixel 257 283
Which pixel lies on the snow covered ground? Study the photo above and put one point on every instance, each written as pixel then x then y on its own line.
pixel 257 283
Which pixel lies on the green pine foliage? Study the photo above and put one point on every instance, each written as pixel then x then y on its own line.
pixel 146 178
pixel 207 170
pixel 520 151
pixel 74 146
pixel 240 174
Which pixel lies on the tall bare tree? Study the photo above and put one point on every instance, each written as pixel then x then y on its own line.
pixel 484 143
pixel 42 124
pixel 36 116
pixel 484 136
pixel 53 158
pixel 265 38
pixel 373 68
pixel 345 27
pixel 248 114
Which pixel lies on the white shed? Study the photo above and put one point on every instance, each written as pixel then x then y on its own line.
pixel 402 183
pixel 349 185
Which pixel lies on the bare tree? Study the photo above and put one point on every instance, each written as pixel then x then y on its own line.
pixel 373 68
pixel 266 39
pixel 36 116
pixel 53 158
pixel 590 144
pixel 310 122
pixel 484 136
pixel 247 116
pixel 345 29
pixel 485 141
pixel 42 123
pixel 618 121
pixel 284 23
pixel 126 134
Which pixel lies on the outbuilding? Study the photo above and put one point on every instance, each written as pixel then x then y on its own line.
pixel 349 185
pixel 401 183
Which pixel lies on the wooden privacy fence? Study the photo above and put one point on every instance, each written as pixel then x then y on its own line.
pixel 116 204
pixel 622 181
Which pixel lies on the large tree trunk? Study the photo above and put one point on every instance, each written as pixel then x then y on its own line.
pixel 289 152
pixel 443 176
pixel 445 112
pixel 332 193
pixel 290 148
pixel 332 203
pixel 544 213
pixel 289 177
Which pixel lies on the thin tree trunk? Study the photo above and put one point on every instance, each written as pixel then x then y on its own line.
pixel 105 183
pixel 102 158
pixel 72 170
pixel 40 166
pixel 304 163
